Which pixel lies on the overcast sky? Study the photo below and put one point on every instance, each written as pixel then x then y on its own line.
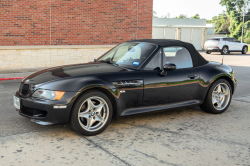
pixel 205 8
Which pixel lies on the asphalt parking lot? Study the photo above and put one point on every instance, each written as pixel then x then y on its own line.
pixel 178 137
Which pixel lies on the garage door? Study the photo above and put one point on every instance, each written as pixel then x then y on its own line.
pixel 186 34
pixel 197 37
pixel 169 33
pixel 158 33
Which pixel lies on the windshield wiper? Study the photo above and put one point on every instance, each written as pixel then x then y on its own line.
pixel 109 62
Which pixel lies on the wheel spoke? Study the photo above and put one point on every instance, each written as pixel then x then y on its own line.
pixel 99 118
pixel 99 108
pixel 219 88
pixel 215 101
pixel 90 104
pixel 215 93
pixel 84 114
pixel 90 122
pixel 226 92
pixel 219 104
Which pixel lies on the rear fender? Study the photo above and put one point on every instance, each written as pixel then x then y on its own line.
pixel 209 74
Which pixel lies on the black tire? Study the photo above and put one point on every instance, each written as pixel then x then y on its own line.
pixel 208 105
pixel 74 121
pixel 208 52
pixel 244 50
pixel 224 50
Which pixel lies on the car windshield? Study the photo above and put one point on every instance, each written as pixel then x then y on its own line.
pixel 129 54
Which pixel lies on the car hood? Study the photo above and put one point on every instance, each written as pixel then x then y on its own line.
pixel 76 70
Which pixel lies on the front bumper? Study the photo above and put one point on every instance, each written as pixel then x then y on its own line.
pixel 46 112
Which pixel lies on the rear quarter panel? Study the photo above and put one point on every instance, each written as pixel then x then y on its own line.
pixel 210 73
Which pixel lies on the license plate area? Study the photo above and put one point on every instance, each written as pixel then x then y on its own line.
pixel 16 102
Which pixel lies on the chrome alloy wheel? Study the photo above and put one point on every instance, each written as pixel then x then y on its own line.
pixel 221 96
pixel 93 113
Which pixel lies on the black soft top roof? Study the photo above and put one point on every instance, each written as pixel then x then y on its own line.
pixel 197 58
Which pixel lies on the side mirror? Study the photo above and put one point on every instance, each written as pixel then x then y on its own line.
pixel 168 67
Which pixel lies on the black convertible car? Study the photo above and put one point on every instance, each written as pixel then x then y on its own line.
pixel 135 77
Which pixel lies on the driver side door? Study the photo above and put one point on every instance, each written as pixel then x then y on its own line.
pixel 177 86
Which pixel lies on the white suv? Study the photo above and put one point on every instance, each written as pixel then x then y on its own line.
pixel 225 45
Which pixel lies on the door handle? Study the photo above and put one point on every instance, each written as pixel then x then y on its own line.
pixel 192 76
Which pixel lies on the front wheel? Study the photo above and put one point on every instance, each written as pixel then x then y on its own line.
pixel 244 50
pixel 91 114
pixel 218 97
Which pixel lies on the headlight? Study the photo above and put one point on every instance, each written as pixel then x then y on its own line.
pixel 47 94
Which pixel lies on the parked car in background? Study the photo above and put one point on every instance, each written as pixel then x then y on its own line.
pixel 225 45
pixel 135 77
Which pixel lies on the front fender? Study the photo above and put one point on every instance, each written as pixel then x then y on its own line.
pixel 76 84
pixel 79 85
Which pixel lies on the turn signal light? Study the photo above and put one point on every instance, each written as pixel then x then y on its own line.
pixel 58 95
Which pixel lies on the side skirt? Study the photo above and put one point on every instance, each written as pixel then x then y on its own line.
pixel 234 50
pixel 141 110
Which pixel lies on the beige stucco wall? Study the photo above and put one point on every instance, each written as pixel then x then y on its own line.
pixel 24 58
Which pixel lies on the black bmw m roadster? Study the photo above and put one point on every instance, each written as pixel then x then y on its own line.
pixel 135 77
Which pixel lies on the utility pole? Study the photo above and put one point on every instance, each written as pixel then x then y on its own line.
pixel 242 34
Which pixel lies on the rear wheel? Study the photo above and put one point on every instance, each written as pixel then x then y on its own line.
pixel 208 52
pixel 244 50
pixel 91 113
pixel 224 51
pixel 218 97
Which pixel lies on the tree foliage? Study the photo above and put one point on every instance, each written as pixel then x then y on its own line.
pixel 155 14
pixel 197 16
pixel 234 5
pixel 183 16
pixel 231 21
